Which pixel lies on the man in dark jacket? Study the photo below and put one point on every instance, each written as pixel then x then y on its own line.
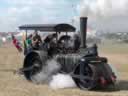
pixel 77 42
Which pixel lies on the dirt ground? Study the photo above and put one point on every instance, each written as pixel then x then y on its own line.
pixel 12 84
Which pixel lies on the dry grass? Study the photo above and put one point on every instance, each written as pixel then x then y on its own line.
pixel 15 85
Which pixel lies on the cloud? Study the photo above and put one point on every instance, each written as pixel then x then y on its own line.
pixel 105 15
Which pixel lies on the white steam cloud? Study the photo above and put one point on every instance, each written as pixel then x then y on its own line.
pixel 50 75
pixel 51 68
pixel 106 15
pixel 103 7
pixel 62 81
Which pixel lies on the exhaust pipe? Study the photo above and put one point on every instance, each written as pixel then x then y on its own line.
pixel 83 30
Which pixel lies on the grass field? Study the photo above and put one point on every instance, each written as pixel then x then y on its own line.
pixel 12 84
pixel 117 54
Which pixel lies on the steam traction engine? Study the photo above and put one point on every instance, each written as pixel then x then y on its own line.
pixel 88 70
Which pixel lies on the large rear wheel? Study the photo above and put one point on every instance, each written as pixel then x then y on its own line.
pixel 32 66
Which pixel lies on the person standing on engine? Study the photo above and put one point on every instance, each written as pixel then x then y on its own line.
pixel 28 43
pixel 36 40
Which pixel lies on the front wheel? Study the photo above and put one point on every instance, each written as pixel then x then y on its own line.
pixel 86 78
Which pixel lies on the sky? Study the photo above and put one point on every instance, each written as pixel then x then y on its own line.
pixel 18 12
pixel 103 15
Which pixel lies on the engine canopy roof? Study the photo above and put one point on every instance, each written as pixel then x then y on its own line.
pixel 49 27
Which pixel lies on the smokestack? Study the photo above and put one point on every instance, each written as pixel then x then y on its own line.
pixel 83 30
